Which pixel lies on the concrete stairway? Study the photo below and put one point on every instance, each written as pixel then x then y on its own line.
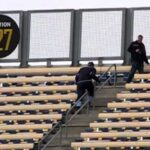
pixel 76 126
pixel 81 121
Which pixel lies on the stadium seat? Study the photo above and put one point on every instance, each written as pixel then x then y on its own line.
pixel 58 97
pixel 129 105
pixel 38 88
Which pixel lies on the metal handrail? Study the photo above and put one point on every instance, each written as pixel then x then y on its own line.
pixel 113 65
pixel 115 72
pixel 69 111
pixel 86 102
pixel 43 140
pixel 67 120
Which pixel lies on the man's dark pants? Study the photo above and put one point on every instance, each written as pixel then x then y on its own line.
pixel 135 66
pixel 83 86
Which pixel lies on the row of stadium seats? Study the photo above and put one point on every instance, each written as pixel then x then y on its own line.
pixel 25 89
pixel 66 75
pixel 14 72
pixel 30 106
pixel 37 81
pixel 125 124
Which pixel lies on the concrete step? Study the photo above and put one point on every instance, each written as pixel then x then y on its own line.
pixel 63 147
pixel 104 96
pixel 75 127
pixel 73 132
pixel 86 118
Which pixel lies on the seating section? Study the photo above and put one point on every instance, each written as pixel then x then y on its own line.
pixel 32 102
pixel 125 124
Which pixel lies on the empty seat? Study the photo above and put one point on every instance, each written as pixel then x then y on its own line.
pixel 36 79
pixel 129 105
pixel 16 146
pixel 31 117
pixel 38 88
pixel 115 134
pixel 142 76
pixel 25 127
pixel 106 144
pixel 136 124
pixel 125 115
pixel 34 107
pixel 59 97
pixel 133 95
pixel 138 86
pixel 21 136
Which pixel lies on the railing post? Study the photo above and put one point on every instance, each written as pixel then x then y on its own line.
pixel 66 125
pixel 115 75
pixel 60 135
pixel 39 146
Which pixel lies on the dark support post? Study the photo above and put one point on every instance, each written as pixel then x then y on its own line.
pixel 100 61
pixel 128 34
pixel 49 63
pixel 25 40
pixel 35 146
pixel 76 38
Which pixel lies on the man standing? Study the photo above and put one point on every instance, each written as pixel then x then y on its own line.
pixel 138 57
pixel 84 81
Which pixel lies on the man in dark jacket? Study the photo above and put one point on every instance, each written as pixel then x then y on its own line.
pixel 84 81
pixel 138 57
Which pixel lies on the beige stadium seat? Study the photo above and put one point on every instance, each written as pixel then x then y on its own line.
pixel 59 97
pixel 119 124
pixel 115 134
pixel 34 107
pixel 31 117
pixel 25 126
pixel 128 104
pixel 38 88
pixel 11 146
pixel 119 68
pixel 37 79
pixel 137 86
pixel 61 70
pixel 56 70
pixel 125 115
pixel 40 71
pixel 22 136
pixel 107 144
pixel 133 95
pixel 142 76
